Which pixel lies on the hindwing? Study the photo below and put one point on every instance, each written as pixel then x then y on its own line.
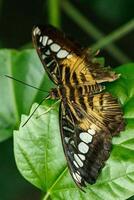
pixel 86 135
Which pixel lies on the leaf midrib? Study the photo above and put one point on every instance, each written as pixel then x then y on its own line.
pixel 48 193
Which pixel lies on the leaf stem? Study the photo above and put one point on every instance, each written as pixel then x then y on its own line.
pixel 56 181
pixel 115 35
pixel 93 31
pixel 46 196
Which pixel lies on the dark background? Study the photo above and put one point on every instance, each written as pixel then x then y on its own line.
pixel 18 17
pixel 16 21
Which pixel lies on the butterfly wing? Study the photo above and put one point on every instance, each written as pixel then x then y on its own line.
pixel 53 47
pixel 86 149
pixel 87 138
pixel 58 52
pixel 87 120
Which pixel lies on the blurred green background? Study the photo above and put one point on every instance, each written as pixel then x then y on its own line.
pixel 104 24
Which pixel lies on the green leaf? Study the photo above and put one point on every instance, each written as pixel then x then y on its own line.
pixel 17 98
pixel 40 158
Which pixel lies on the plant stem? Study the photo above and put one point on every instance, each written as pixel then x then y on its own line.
pixel 115 35
pixel 92 30
pixel 46 196
pixel 53 185
pixel 54 12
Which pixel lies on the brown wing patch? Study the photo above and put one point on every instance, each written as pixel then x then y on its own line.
pixel 108 107
pixel 103 111
pixel 100 73
pixel 86 74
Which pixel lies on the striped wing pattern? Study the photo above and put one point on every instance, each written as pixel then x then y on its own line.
pixel 51 49
pixel 87 134
pixel 86 149
pixel 89 118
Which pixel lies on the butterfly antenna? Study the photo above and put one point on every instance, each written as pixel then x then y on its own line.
pixel 35 110
pixel 25 83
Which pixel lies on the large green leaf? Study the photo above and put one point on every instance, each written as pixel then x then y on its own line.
pixel 16 98
pixel 40 158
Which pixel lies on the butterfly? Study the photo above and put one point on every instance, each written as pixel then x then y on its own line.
pixel 88 116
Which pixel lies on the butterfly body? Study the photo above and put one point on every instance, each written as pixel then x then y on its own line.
pixel 89 117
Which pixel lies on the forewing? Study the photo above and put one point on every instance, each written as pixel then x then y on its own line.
pixel 99 73
pixel 60 56
pixel 53 48
pixel 86 149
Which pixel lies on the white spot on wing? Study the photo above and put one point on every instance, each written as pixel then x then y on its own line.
pixel 62 53
pixel 43 56
pixel 44 41
pixel 77 177
pixel 81 156
pixel 68 129
pixel 47 52
pixel 86 137
pixel 48 64
pixel 55 47
pixel 36 31
pixel 91 131
pixel 40 39
pixel 72 142
pixel 78 172
pixel 49 41
pixel 77 159
pixel 75 163
pixel 66 139
pixel 83 148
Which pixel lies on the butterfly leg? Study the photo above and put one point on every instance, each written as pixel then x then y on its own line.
pixel 49 109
